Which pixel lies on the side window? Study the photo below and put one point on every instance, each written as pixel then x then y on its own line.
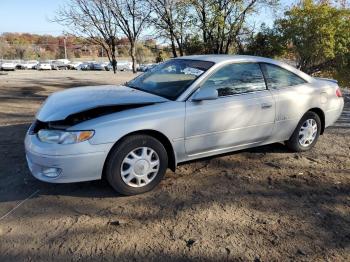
pixel 277 77
pixel 236 78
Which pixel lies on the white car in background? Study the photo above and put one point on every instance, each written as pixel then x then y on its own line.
pixel 124 66
pixel 44 66
pixel 74 65
pixel 63 61
pixel 146 67
pixel 8 66
pixel 31 64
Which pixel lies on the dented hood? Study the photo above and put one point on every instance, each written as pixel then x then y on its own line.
pixel 62 104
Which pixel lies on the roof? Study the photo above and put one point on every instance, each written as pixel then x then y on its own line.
pixel 223 58
pixel 218 59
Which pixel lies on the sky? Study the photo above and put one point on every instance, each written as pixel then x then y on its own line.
pixel 32 16
pixel 29 16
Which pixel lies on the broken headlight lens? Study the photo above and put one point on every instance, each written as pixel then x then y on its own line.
pixel 64 137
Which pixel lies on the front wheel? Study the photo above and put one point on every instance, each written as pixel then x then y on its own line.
pixel 306 133
pixel 136 165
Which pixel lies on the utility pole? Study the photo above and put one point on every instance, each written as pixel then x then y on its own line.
pixel 65 48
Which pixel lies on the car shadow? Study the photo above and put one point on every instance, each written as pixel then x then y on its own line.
pixel 17 182
pixel 300 208
pixel 227 182
pixel 13 167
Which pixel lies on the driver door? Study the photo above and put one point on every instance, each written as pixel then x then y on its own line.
pixel 243 114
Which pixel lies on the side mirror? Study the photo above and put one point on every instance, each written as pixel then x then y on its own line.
pixel 205 94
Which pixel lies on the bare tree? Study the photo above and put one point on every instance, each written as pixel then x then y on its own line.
pixel 222 21
pixel 132 17
pixel 92 19
pixel 171 18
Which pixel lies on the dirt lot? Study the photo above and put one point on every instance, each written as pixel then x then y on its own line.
pixel 263 204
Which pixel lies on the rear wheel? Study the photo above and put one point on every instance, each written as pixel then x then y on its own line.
pixel 306 134
pixel 136 164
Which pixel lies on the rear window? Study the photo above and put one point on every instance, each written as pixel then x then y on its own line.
pixel 277 77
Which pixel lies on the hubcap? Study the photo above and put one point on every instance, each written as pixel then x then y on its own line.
pixel 308 132
pixel 140 167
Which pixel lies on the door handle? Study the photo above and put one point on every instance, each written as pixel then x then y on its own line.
pixel 266 105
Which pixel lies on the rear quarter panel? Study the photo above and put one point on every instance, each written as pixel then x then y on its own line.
pixel 331 105
pixel 291 104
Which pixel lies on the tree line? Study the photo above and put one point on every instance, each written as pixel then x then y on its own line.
pixel 313 33
pixel 210 26
pixel 26 46
pixel 316 34
pixel 33 46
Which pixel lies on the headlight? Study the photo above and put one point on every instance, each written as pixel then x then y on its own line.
pixel 64 137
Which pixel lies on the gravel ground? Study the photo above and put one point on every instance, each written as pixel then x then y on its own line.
pixel 262 204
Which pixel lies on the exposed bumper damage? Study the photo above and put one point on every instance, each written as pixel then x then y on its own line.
pixel 83 161
pixel 76 118
pixel 69 163
pixel 64 164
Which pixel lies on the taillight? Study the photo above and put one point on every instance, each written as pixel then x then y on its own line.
pixel 338 93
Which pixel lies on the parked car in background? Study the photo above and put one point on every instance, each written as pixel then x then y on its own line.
pixel 108 66
pixel 31 64
pixel 54 67
pixel 8 66
pixel 58 65
pixel 63 61
pixel 74 65
pixel 141 68
pixel 184 109
pixel 124 66
pixel 86 66
pixel 25 65
pixel 44 66
pixel 97 66
pixel 146 67
pixel 21 65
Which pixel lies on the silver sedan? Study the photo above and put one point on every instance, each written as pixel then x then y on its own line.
pixel 184 109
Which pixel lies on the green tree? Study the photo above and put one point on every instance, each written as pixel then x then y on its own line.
pixel 267 42
pixel 319 34
pixel 194 45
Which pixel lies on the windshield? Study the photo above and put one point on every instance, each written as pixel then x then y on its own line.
pixel 170 79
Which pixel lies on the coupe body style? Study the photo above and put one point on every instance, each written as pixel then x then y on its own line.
pixel 183 109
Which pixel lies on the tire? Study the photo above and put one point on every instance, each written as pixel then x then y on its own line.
pixel 117 162
pixel 294 143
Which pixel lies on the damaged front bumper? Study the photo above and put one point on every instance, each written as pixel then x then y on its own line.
pixel 57 163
